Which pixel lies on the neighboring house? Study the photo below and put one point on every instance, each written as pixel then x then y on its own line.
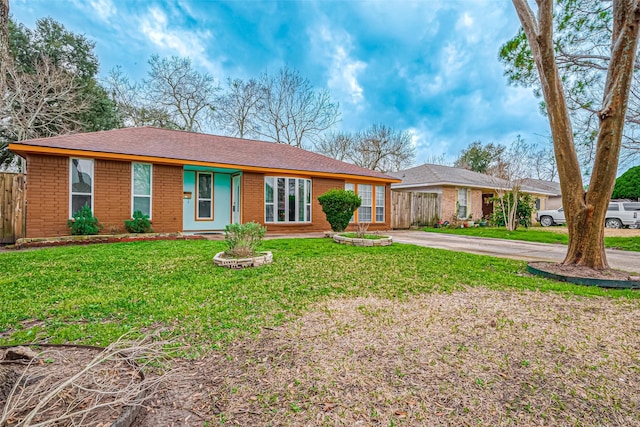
pixel 463 194
pixel 188 182
pixel 554 197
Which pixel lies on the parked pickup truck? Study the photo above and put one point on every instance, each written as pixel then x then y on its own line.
pixel 619 214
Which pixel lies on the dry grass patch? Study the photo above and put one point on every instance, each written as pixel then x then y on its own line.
pixel 476 357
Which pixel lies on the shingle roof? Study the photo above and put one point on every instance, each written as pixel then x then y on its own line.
pixel 195 147
pixel 437 175
pixel 428 175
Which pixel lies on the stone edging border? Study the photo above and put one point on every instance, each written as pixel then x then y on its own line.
pixel 602 283
pixel 238 263
pixel 382 241
pixel 38 242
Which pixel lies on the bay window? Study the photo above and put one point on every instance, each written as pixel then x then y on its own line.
pixel 287 200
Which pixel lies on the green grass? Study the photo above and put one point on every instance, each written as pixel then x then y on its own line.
pixel 536 234
pixel 93 294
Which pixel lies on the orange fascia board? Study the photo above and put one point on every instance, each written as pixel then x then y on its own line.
pixel 36 149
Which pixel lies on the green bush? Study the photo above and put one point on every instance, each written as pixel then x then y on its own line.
pixel 243 240
pixel 138 224
pixel 83 222
pixel 628 185
pixel 339 206
pixel 524 210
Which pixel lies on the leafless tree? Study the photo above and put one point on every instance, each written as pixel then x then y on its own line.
pixel 186 94
pixel 41 104
pixel 383 148
pixel 294 113
pixel 238 108
pixel 337 145
pixel 132 108
pixel 543 163
pixel 513 168
pixel 585 211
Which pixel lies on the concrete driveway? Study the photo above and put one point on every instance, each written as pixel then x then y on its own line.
pixel 514 249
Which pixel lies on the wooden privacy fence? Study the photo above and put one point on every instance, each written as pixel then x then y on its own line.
pixel 413 209
pixel 12 207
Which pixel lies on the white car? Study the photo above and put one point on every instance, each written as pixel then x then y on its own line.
pixel 619 214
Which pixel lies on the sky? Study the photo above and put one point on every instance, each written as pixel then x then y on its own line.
pixel 429 67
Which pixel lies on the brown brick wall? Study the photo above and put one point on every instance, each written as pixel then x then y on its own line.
pixel 112 194
pixel 476 204
pixel 48 196
pixel 167 198
pixel 253 205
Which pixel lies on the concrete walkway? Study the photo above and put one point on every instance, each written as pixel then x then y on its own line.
pixel 514 249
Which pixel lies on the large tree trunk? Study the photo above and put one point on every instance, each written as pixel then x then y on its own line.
pixel 4 41
pixel 585 212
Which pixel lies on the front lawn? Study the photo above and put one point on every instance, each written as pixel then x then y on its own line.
pixel 535 234
pixel 94 294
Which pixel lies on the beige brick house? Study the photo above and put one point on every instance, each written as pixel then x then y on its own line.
pixel 465 194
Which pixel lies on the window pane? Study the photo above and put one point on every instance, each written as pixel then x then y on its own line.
pixel 379 214
pixel 204 185
pixel 292 199
pixel 308 191
pixel 142 204
pixel 380 199
pixel 301 199
pixel 268 216
pixel 141 179
pixel 78 201
pixel 281 200
pixel 204 208
pixel 268 190
pixel 364 214
pixel 350 186
pixel 462 212
pixel 81 175
pixel 308 217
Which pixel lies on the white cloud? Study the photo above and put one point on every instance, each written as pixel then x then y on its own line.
pixel 157 28
pixel 104 8
pixel 342 68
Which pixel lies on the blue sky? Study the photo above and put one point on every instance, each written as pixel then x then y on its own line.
pixel 426 66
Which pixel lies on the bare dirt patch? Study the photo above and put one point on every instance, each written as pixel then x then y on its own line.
pixel 477 357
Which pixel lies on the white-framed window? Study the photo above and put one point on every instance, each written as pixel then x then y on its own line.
pixel 204 192
pixel 141 184
pixel 380 203
pixel 463 202
pixel 368 194
pixel 81 184
pixel 287 200
pixel 364 211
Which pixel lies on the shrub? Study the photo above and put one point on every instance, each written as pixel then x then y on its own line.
pixel 628 185
pixel 339 206
pixel 138 224
pixel 243 240
pixel 83 222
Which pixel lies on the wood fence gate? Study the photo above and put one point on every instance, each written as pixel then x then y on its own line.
pixel 12 207
pixel 413 209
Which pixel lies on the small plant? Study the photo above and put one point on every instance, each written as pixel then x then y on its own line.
pixel 361 229
pixel 339 206
pixel 243 240
pixel 138 224
pixel 83 222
